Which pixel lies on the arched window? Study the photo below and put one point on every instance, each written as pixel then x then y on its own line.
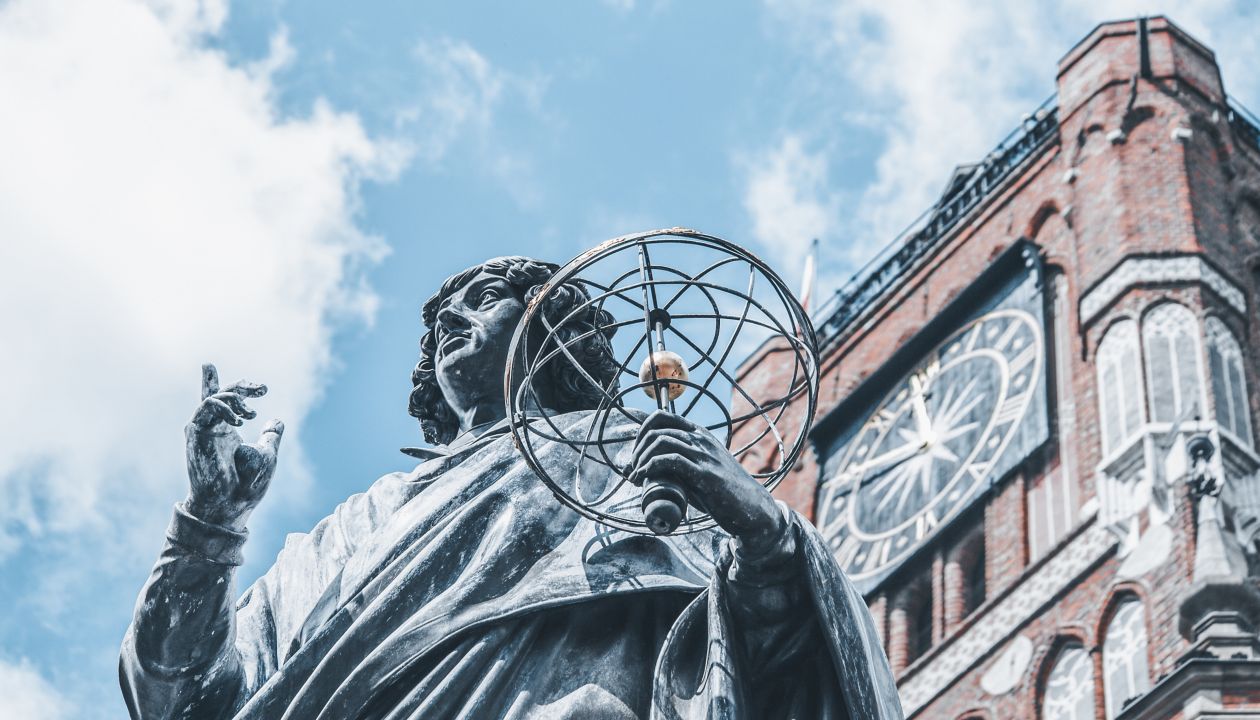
pixel 964 588
pixel 919 615
pixel 910 621
pixel 1069 691
pixel 1124 657
pixel 1119 385
pixel 1170 333
pixel 1229 386
pixel 975 588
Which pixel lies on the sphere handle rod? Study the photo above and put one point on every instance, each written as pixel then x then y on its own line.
pixel 664 503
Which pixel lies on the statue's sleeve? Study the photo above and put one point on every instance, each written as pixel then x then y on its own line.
pixel 179 658
pixel 191 652
pixel 779 636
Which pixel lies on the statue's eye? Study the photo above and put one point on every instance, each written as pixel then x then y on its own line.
pixel 488 296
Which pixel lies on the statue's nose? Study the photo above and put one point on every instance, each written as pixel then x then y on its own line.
pixel 451 319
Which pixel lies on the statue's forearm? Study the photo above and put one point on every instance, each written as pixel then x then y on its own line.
pixel 179 658
pixel 765 597
pixel 762 585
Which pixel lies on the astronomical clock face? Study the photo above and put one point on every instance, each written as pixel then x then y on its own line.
pixel 932 444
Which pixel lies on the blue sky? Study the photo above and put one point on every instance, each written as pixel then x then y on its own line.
pixel 277 186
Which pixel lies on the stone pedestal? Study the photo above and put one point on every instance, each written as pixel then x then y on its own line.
pixel 1220 616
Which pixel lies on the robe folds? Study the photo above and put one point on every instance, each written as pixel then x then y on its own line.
pixel 464 589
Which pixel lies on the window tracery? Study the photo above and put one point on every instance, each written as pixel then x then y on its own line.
pixel 1119 385
pixel 1170 334
pixel 1125 670
pixel 1069 693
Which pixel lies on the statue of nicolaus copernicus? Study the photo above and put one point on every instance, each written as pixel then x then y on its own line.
pixel 462 589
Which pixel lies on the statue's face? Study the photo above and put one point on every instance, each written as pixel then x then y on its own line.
pixel 474 329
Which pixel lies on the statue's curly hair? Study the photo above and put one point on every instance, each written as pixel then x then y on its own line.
pixel 561 386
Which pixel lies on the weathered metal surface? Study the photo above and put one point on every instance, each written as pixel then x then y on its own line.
pixel 463 589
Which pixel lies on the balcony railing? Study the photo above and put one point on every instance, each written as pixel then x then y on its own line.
pixel 969 188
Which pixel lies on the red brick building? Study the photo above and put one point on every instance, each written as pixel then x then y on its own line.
pixel 1019 398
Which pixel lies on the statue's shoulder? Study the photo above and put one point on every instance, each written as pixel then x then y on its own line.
pixel 341 531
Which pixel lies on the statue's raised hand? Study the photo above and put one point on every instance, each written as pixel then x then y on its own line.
pixel 227 477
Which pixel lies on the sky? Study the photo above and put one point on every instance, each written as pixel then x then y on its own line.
pixel 277 186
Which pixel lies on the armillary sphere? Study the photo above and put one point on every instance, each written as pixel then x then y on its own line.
pixel 679 310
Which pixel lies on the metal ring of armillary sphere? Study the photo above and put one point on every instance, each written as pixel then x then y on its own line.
pixel 674 312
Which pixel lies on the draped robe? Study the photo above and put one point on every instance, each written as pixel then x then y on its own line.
pixel 463 589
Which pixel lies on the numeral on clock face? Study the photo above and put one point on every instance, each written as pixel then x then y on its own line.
pixel 1011 409
pixel 924 523
pixel 1021 360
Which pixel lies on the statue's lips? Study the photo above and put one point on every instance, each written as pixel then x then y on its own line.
pixel 450 342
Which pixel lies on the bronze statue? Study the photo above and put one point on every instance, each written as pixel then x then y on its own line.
pixel 462 589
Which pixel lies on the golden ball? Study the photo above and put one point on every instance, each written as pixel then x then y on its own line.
pixel 668 365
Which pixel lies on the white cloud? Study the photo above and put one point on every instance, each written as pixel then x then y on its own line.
pixel 943 82
pixel 24 693
pixel 460 94
pixel 157 211
pixel 786 195
pixel 460 91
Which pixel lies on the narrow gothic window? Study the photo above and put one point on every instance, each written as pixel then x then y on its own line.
pixel 1170 333
pixel 1119 385
pixel 963 580
pixel 1229 386
pixel 921 626
pixel 1052 501
pixel 1069 691
pixel 1052 512
pixel 974 590
pixel 1124 657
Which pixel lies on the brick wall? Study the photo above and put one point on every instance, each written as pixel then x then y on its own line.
pixel 1144 166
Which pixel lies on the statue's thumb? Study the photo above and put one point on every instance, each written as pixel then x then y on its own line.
pixel 269 441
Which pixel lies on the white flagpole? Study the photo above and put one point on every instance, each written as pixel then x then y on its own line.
pixel 809 276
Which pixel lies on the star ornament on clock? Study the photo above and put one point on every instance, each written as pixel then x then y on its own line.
pixel 929 444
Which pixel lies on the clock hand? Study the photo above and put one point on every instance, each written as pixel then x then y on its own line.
pixel 894 456
pixel 885 470
pixel 923 423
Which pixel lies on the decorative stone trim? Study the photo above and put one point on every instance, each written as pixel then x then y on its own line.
pixel 1180 268
pixel 1005 618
